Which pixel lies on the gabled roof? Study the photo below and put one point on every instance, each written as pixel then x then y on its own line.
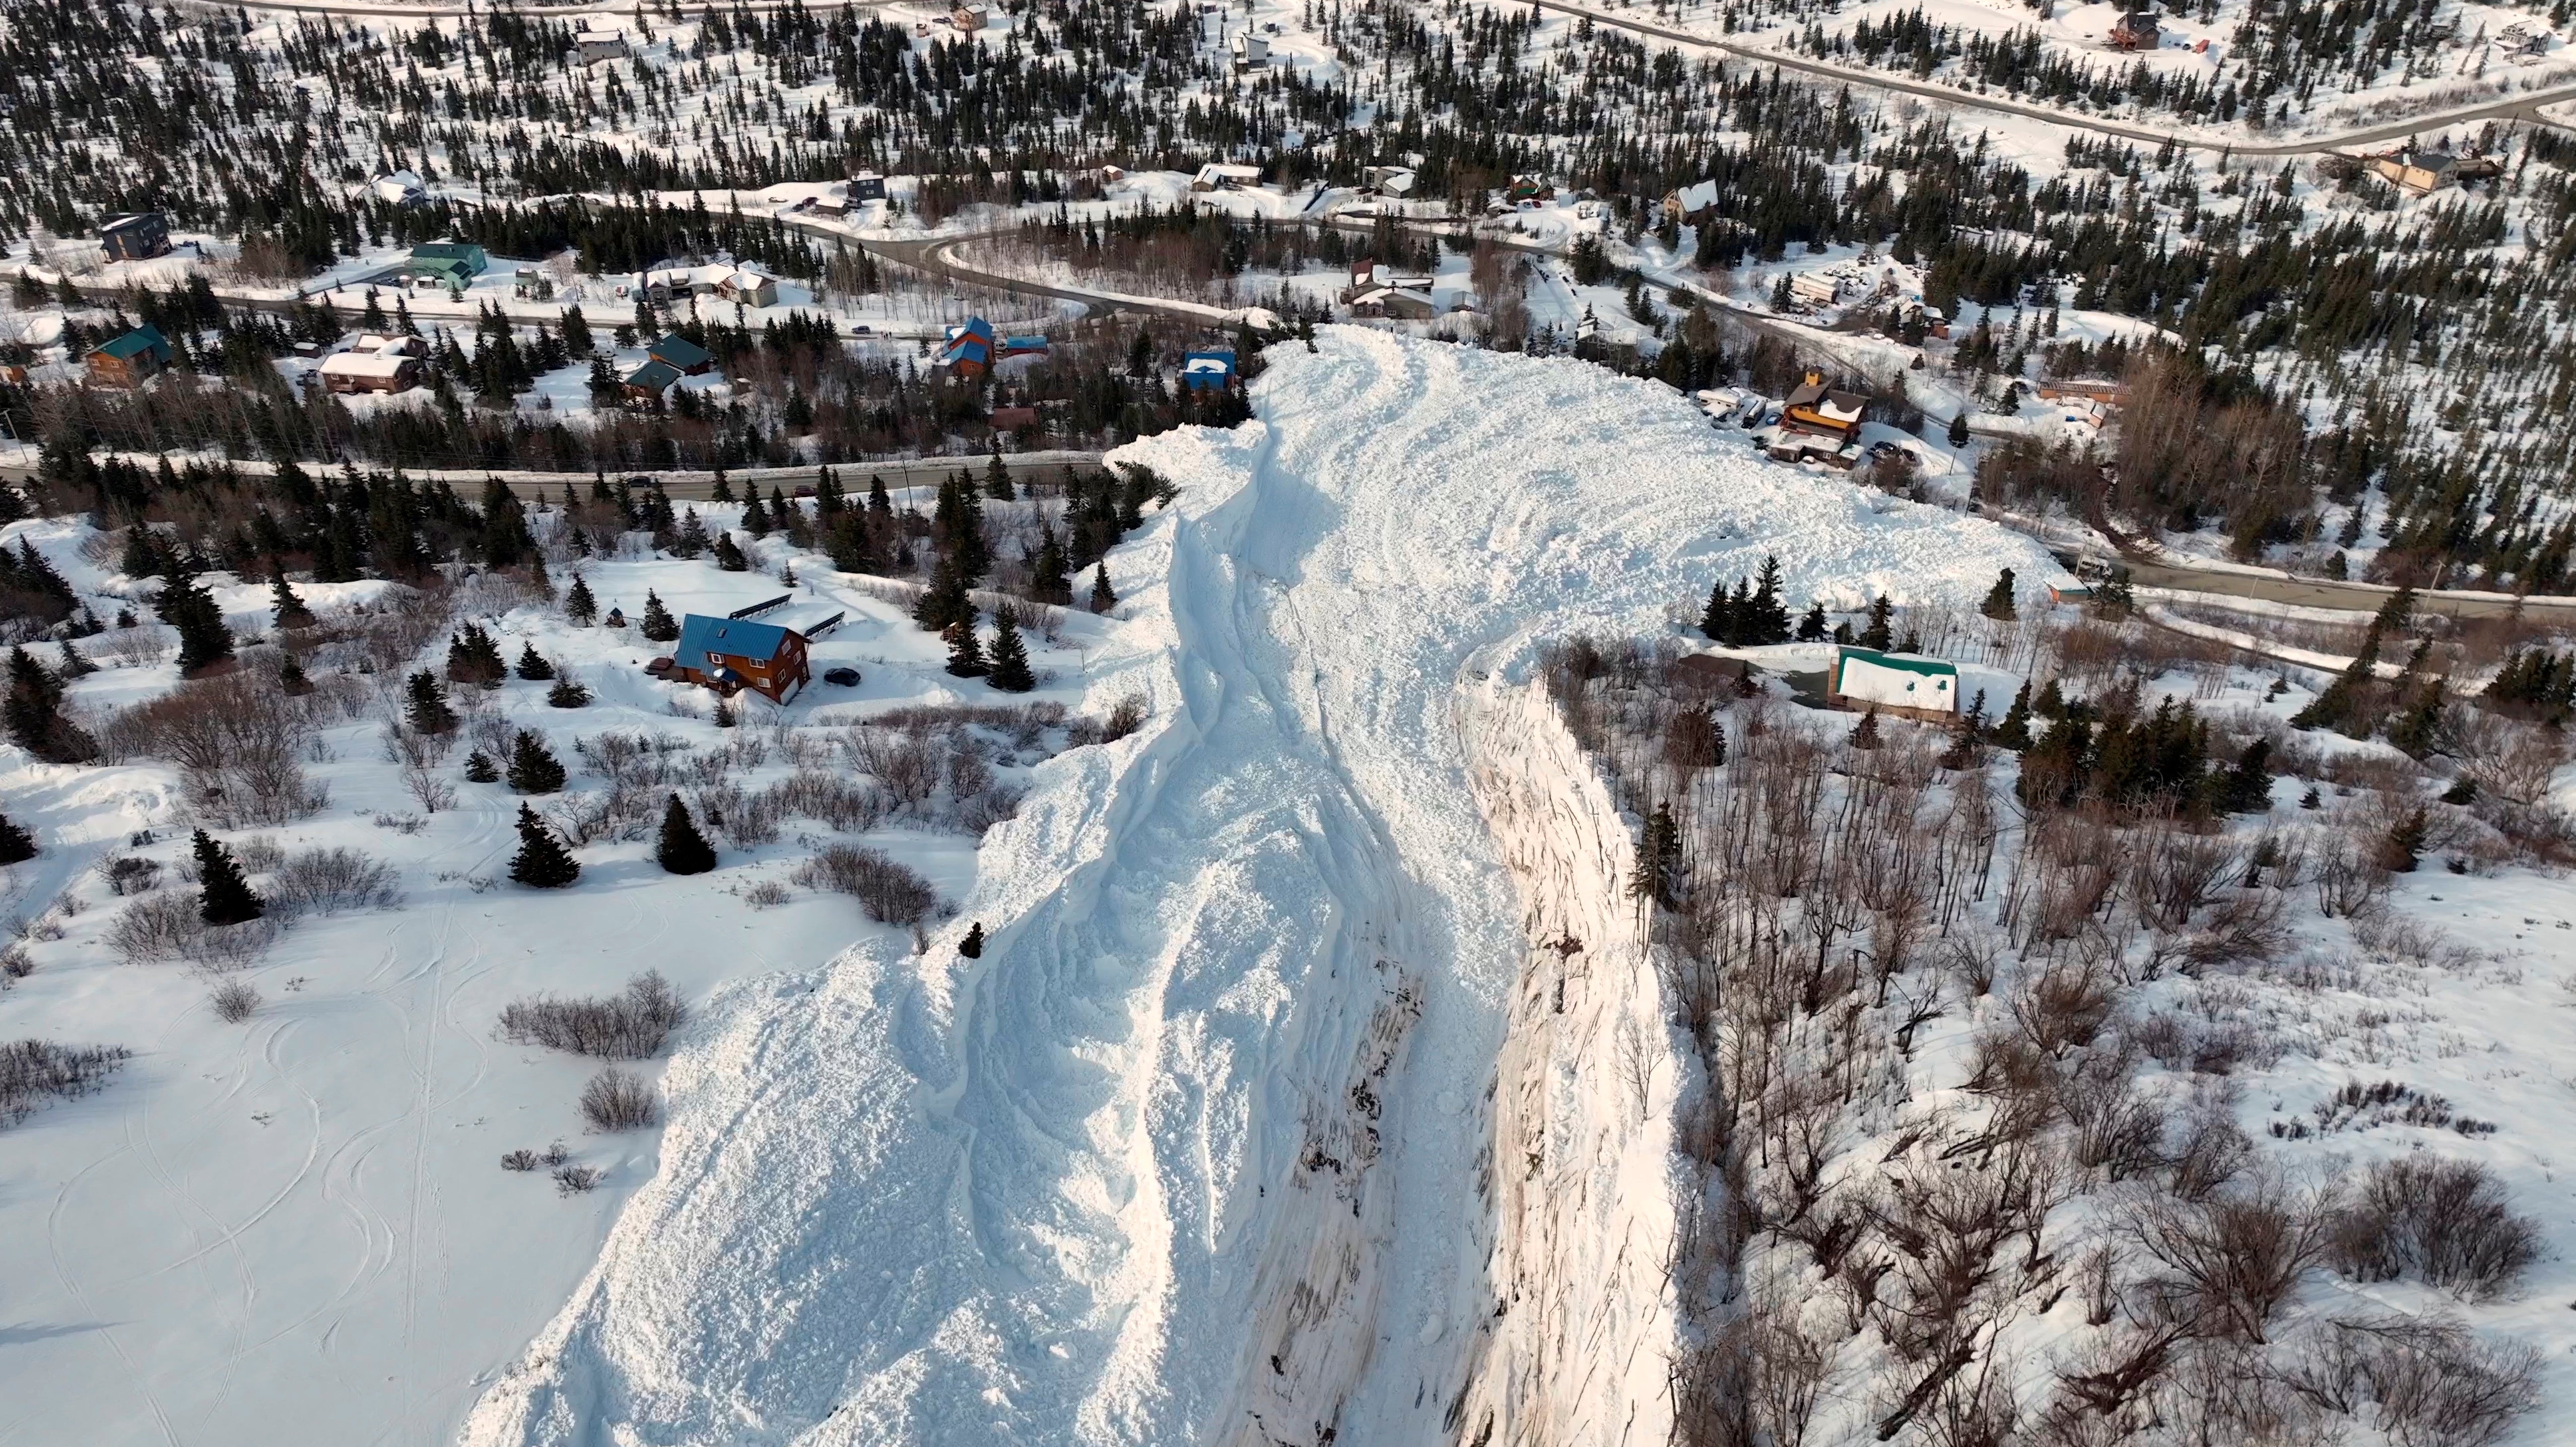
pixel 139 218
pixel 447 251
pixel 656 374
pixel 732 637
pixel 136 342
pixel 679 351
pixel 379 365
pixel 1697 196
pixel 1928 667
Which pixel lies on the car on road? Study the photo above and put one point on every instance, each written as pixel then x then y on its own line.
pixel 841 677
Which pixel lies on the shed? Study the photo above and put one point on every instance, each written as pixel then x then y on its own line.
pixel 1816 288
pixel 1250 50
pixel 137 237
pixel 130 360
pixel 1893 683
pixel 733 654
pixel 1395 302
pixel 969 18
pixel 747 287
pixel 684 355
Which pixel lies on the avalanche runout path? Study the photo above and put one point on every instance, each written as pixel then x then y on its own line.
pixel 1192 1153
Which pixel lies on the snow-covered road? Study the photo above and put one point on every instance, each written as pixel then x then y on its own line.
pixel 1192 1152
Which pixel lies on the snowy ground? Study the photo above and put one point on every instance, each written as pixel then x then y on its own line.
pixel 1039 1197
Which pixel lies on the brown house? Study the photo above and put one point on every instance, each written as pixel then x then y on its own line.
pixel 733 654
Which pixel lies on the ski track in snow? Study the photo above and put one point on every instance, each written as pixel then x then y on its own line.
pixel 1190 1154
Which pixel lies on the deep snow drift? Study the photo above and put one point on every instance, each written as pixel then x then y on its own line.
pixel 1192 1153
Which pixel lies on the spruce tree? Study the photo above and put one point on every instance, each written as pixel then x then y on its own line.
pixel 479 768
pixel 533 665
pixel 2403 849
pixel 755 516
pixel 542 862
pixel 1865 734
pixel 1010 657
pixel 1103 597
pixel 285 607
pixel 1812 627
pixel 972 947
pixel 224 896
pixel 2247 788
pixel 965 650
pixel 567 693
pixel 533 767
pixel 204 641
pixel 1878 635
pixel 16 843
pixel 1047 582
pixel 2014 732
pixel 34 711
pixel 290 677
pixel 1999 599
pixel 75 666
pixel 1767 620
pixel 997 481
pixel 1717 620
pixel 682 849
pixel 1959 428
pixel 473 657
pixel 426 703
pixel 659 626
pixel 1657 875
pixel 579 606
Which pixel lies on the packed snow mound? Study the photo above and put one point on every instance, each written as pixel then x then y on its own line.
pixel 1192 1152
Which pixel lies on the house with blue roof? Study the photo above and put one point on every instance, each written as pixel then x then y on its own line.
pixel 972 348
pixel 132 359
pixel 1208 371
pixel 733 654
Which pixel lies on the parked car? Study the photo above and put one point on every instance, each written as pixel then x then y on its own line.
pixel 841 677
pixel 659 666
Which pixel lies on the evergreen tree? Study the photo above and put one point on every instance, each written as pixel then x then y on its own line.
pixel 659 626
pixel 944 601
pixel 2051 703
pixel 143 556
pixel 285 607
pixel 997 481
pixel 2403 849
pixel 474 657
pixel 1959 429
pixel 479 768
pixel 533 767
pixel 1717 620
pixel 533 665
pixel 290 677
pixel 204 641
pixel 579 606
pixel 542 862
pixel 1811 628
pixel 426 702
pixel 35 717
pixel 755 515
pixel 2247 788
pixel 568 693
pixel 506 540
pixel 224 895
pixel 1766 620
pixel 1657 874
pixel 1047 582
pixel 16 843
pixel 2418 730
pixel 1999 599
pixel 1865 734
pixel 722 491
pixel 1103 597
pixel 1010 657
pixel 2014 732
pixel 682 849
pixel 965 650
pixel 972 947
pixel 1878 634
pixel 691 538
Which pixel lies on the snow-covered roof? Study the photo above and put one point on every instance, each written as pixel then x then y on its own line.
pixel 374 366
pixel 1896 680
pixel 1697 196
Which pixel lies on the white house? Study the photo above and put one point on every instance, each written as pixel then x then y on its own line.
pixel 599 45
pixel 1223 176
pixel 1816 288
pixel 1894 683
pixel 1250 50
pixel 402 188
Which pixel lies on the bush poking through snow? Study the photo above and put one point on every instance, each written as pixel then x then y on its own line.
pixel 628 1026
pixel 329 881
pixel 619 1100
pixel 33 1072
pixel 765 894
pixel 234 1000
pixel 1127 716
pixel 130 874
pixel 576 1180
pixel 521 1159
pixel 155 927
pixel 2427 1382
pixel 2447 1221
pixel 891 893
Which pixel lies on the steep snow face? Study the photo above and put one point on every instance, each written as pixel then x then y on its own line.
pixel 1196 1150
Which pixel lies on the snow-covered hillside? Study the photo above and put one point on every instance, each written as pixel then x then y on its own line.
pixel 1193 1152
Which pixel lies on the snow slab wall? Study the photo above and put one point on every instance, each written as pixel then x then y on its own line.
pixel 1584 1170
pixel 1192 1153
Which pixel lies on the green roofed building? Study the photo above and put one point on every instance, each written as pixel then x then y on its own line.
pixel 682 353
pixel 130 360
pixel 452 262
pixel 1894 683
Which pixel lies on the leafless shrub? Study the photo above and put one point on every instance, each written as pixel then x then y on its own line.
pixel 575 1180
pixel 2064 1005
pixel 234 1000
pixel 2505 758
pixel 2393 937
pixel 33 1072
pixel 155 927
pixel 399 823
pixel 2349 876
pixel 556 1154
pixel 891 892
pixel 905 762
pixel 1125 717
pixel 328 881
pixel 2231 1261
pixel 2207 1148
pixel 238 742
pixel 848 805
pixel 627 809
pixel 1756 1378
pixel 986 809
pixel 522 1159
pixel 619 1100
pixel 765 894
pixel 628 1026
pixel 2444 1220
pixel 2425 1381
pixel 130 874
pixel 15 964
pixel 234 946
pixel 428 790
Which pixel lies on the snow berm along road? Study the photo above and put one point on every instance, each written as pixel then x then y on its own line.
pixel 1191 1153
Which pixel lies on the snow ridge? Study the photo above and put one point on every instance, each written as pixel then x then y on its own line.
pixel 1194 1152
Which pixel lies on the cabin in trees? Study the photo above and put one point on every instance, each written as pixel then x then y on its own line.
pixel 375 364
pixel 139 237
pixel 971 348
pixel 400 188
pixel 1691 204
pixel 1396 302
pixel 449 263
pixel 735 653
pixel 2424 172
pixel 1816 410
pixel 130 360
pixel 1863 679
pixel 681 355
pixel 970 18
pixel 1224 176
pixel 645 386
pixel 867 186
pixel 2135 30
pixel 596 46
